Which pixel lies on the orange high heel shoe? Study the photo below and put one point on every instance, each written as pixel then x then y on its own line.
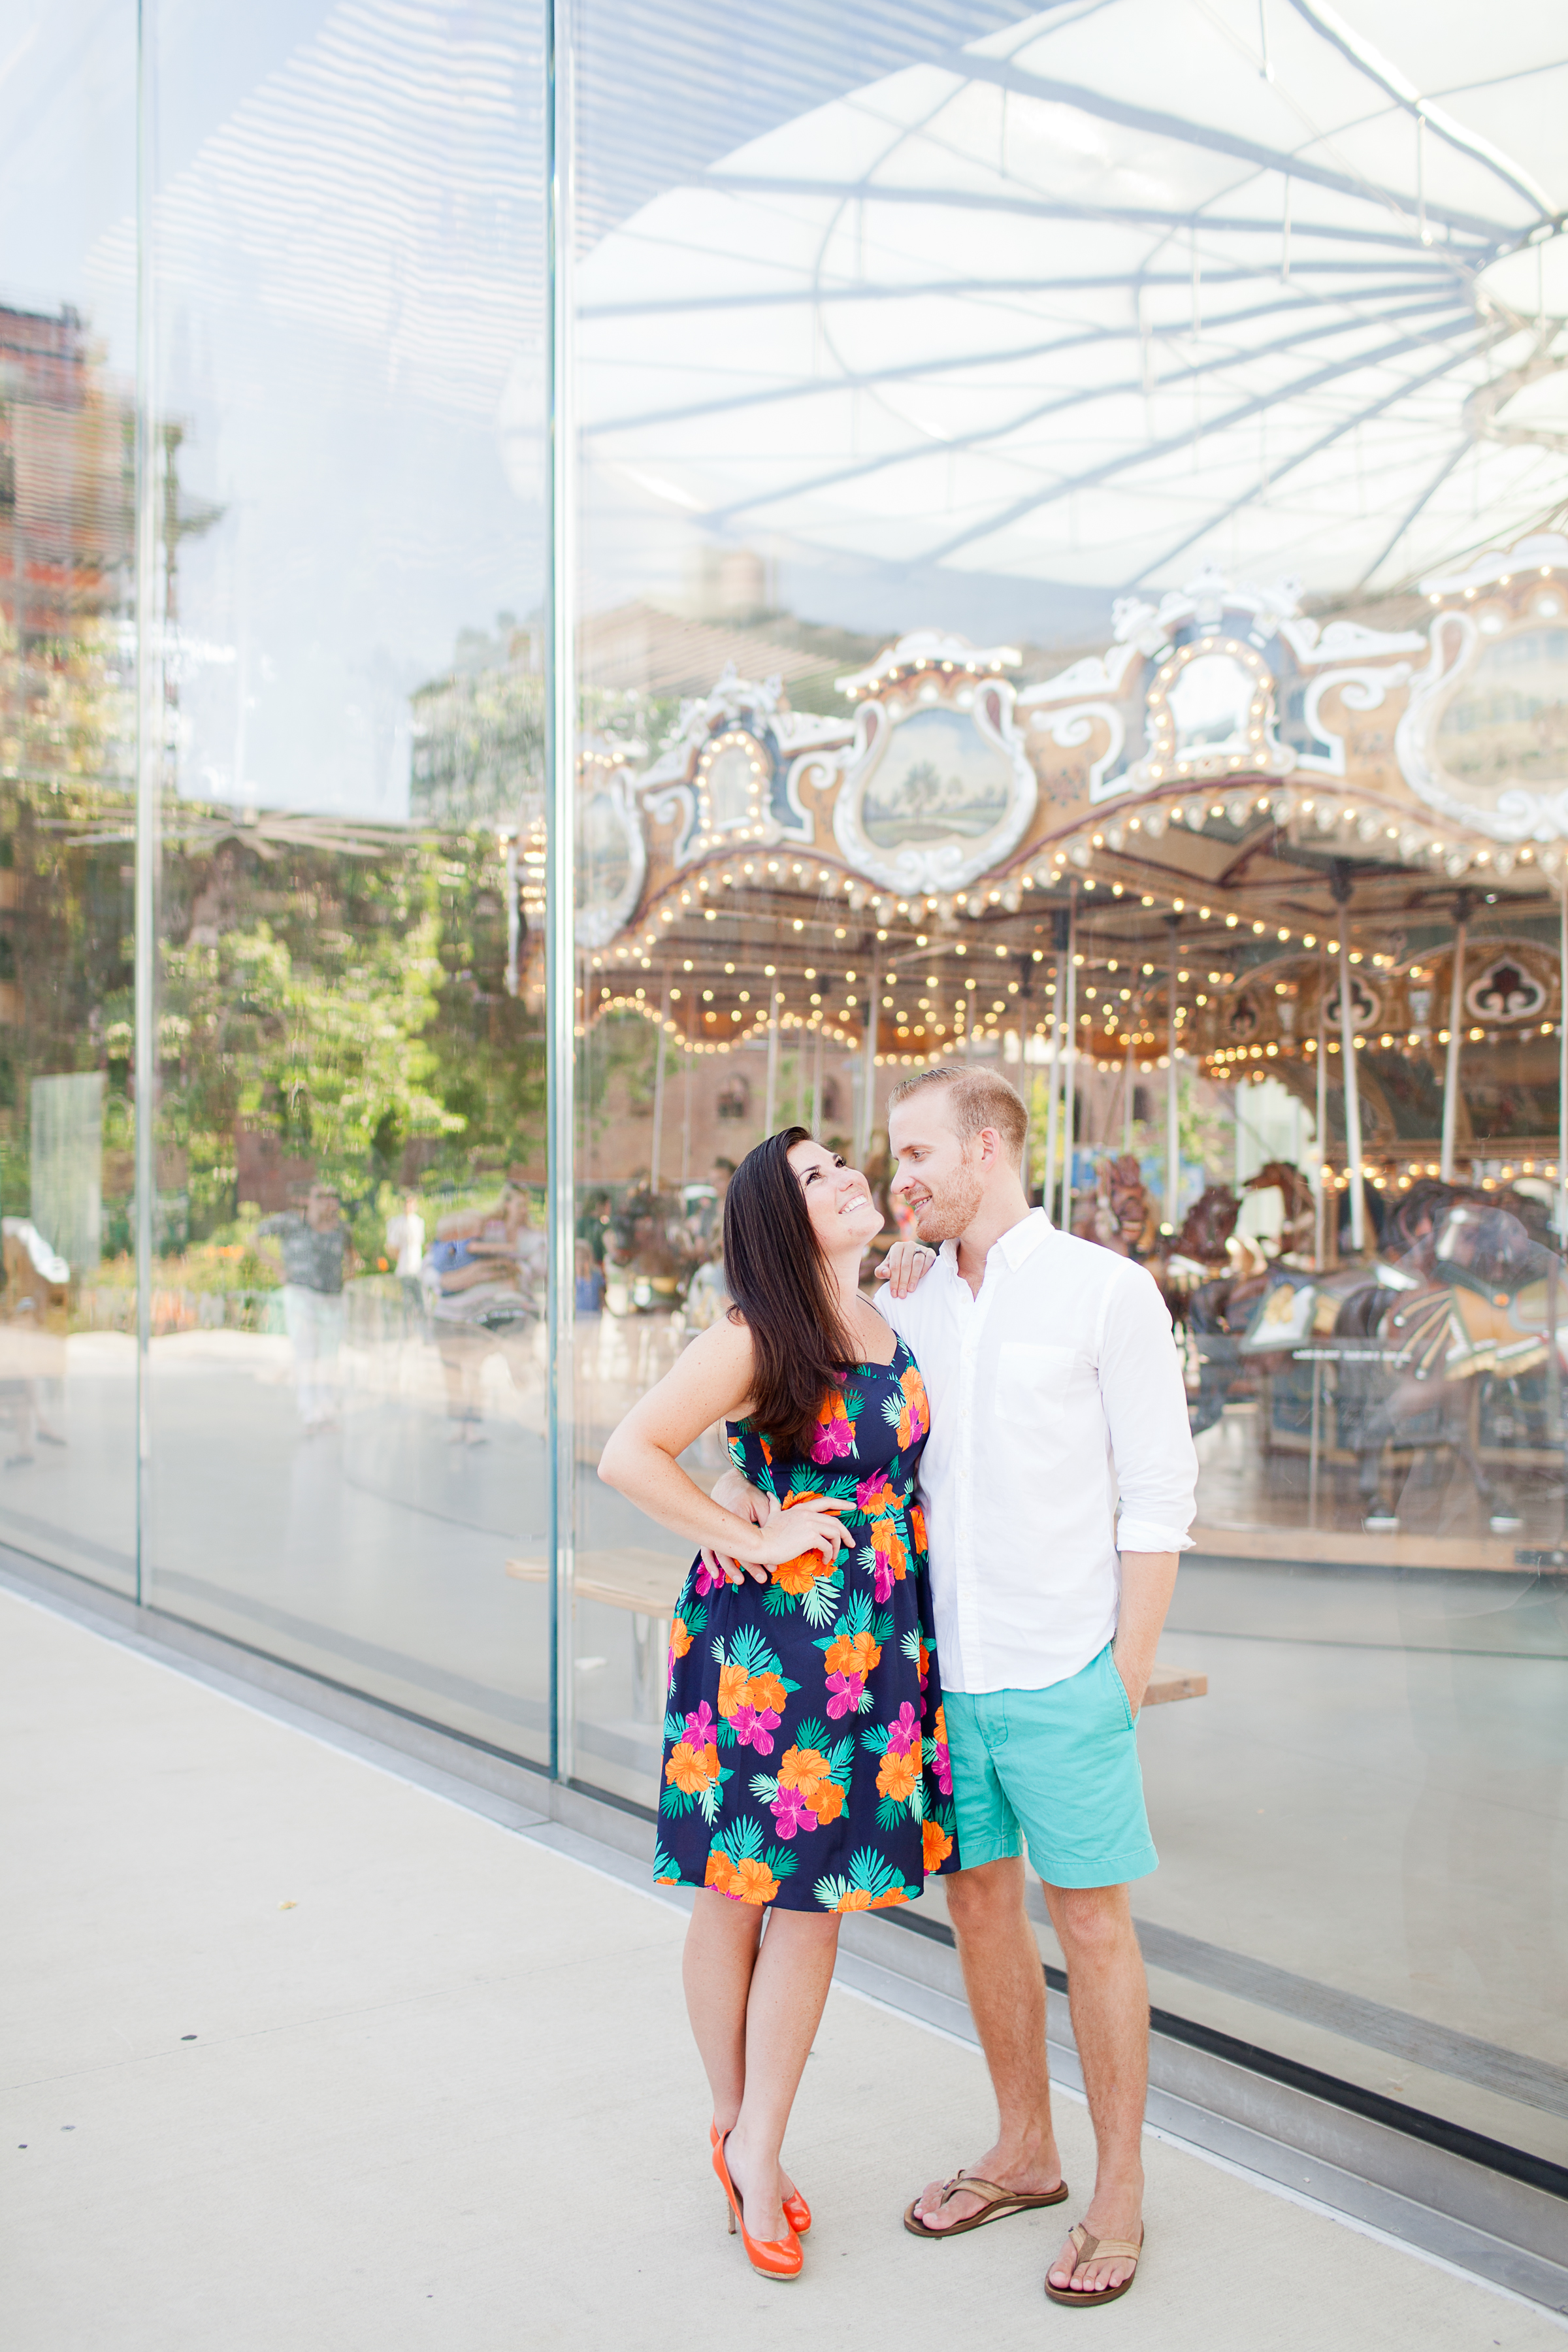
pixel 774 2257
pixel 797 2211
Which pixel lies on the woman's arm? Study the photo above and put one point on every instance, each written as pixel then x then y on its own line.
pixel 711 1381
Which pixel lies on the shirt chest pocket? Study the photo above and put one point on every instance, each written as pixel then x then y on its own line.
pixel 1034 1382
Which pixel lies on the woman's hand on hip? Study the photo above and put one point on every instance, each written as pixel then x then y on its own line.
pixel 812 1525
pixel 732 1493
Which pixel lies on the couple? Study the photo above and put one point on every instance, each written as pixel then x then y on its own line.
pixel 843 1719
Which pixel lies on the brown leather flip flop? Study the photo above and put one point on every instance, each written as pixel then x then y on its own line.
pixel 1091 2249
pixel 998 2204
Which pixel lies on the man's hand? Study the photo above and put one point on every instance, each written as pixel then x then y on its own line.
pixel 1148 1580
pixel 906 1264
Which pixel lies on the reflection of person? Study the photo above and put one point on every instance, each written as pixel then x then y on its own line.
pixel 471 1267
pixel 405 1239
pixel 33 1292
pixel 806 1773
pixel 1059 1433
pixel 312 1253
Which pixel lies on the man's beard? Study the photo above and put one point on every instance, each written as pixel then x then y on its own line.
pixel 952 1207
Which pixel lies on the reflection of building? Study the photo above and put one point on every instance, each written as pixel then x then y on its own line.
pixel 65 478
pixel 478 733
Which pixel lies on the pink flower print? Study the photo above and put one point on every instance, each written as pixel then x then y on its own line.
pixel 835 1432
pixel 791 1812
pixel 943 1768
pixel 699 1731
pixel 846 1690
pixel 906 1733
pixel 874 1496
pixel 708 1581
pixel 751 1725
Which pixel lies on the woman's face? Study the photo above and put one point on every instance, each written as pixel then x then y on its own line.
pixel 837 1199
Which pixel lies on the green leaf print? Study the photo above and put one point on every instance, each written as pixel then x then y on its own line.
pixel 764 1788
pixel 674 1725
pixel 743 1842
pixel 869 1874
pixel 665 1867
pixel 805 1478
pixel 875 1741
pixel 818 1603
pixel 674 1800
pixel 814 1733
pixel 889 1813
pixel 711 1796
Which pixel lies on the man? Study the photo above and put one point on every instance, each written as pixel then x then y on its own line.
pixel 1059 1434
pixel 313 1254
pixel 405 1239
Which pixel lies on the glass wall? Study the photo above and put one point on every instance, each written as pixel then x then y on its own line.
pixel 339 388
pixel 1065 511
pixel 1071 581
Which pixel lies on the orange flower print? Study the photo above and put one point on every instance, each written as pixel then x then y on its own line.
pixel 918 1527
pixel 690 1769
pixel 937 1845
pixel 854 1654
pixel 897 1775
pixel 680 1639
pixel 858 1898
pixel 803 1768
pixel 924 1665
pixel 752 1882
pixel 893 1894
pixel 764 1691
pixel 721 1871
pixel 914 1418
pixel 798 1575
pixel 732 1689
pixel 827 1801
pixel 889 1556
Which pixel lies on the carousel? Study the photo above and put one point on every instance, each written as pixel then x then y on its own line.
pixel 1237 856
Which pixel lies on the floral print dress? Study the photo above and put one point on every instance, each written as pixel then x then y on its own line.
pixel 805 1750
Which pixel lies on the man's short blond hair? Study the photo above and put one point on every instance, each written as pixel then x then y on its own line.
pixel 974 1099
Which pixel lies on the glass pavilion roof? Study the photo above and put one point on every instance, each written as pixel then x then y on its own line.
pixel 1125 289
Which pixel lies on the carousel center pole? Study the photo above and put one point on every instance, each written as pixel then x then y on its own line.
pixel 869 1079
pixel 1172 1125
pixel 686 1094
pixel 658 1087
pixel 1319 1181
pixel 1027 972
pixel 1562 1077
pixel 769 1103
pixel 1462 906
pixel 1069 1025
pixel 1341 889
pixel 1053 1076
pixel 816 1082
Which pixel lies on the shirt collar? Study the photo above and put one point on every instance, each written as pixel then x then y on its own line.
pixel 1022 1240
pixel 1018 1242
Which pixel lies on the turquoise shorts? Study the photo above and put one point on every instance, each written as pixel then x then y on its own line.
pixel 1055 1771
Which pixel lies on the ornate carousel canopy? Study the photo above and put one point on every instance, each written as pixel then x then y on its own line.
pixel 1191 819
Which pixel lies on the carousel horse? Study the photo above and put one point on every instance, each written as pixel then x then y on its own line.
pixel 1117 1214
pixel 1461 1291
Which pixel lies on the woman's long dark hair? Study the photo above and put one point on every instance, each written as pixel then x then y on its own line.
pixel 779 1279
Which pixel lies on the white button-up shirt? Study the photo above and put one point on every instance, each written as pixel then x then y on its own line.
pixel 1059 1436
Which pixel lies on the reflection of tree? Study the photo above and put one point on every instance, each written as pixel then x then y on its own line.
pixel 922 785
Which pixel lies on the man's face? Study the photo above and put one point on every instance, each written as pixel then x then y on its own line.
pixel 322 1211
pixel 938 1173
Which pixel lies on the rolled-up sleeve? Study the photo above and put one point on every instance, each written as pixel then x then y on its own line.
pixel 1145 1403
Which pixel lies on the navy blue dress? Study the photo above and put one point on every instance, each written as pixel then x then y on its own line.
pixel 805 1750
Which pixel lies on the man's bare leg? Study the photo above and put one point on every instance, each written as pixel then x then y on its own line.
pixel 1007 1989
pixel 1108 1994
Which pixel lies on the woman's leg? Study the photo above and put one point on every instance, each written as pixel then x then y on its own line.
pixel 790 1977
pixel 716 1970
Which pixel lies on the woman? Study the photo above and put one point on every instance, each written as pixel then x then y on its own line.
pixel 806 1770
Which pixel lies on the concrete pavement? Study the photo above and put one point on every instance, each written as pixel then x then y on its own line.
pixel 297 2052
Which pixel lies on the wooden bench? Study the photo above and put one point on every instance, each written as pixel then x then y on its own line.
pixel 649 1583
